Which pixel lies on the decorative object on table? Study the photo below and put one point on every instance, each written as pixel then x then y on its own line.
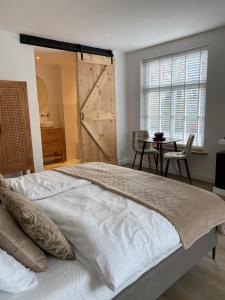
pixel 159 136
pixel 181 155
pixel 149 149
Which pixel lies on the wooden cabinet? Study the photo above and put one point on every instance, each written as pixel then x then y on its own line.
pixel 53 145
pixel 15 136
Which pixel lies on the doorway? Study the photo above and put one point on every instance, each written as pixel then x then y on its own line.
pixel 57 96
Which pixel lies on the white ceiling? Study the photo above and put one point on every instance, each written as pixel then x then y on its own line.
pixel 124 25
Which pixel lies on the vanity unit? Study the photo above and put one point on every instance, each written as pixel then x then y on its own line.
pixel 53 145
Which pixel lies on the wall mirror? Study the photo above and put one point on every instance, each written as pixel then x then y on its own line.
pixel 42 93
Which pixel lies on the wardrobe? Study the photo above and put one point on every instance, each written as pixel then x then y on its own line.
pixel 15 136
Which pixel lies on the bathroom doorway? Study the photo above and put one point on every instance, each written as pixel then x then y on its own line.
pixel 57 96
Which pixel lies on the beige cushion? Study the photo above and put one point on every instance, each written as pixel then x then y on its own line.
pixel 37 225
pixel 3 184
pixel 150 150
pixel 175 155
pixel 17 244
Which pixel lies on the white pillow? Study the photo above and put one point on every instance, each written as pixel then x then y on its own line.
pixel 14 277
pixel 44 184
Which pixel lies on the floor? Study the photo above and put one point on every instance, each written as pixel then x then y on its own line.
pixel 62 164
pixel 202 184
pixel 206 280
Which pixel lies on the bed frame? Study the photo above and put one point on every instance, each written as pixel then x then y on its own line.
pixel 156 281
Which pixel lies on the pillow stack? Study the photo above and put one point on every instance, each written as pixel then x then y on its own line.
pixel 23 245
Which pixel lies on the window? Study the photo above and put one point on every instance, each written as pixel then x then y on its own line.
pixel 174 95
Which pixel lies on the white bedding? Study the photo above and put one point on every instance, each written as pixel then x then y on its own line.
pixel 44 184
pixel 70 280
pixel 113 236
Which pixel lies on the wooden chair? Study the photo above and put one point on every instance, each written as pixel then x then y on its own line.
pixel 181 155
pixel 137 147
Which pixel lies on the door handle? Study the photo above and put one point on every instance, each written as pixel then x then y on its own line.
pixel 82 116
pixel 0 129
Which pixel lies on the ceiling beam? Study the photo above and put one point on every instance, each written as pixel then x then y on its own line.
pixel 53 44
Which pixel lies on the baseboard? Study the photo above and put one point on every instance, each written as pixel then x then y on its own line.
pixel 194 176
pixel 203 178
pixel 218 191
pixel 124 161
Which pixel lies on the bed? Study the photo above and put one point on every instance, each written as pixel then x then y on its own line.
pixel 115 222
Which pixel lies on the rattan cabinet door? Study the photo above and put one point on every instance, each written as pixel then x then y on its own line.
pixel 16 138
pixel 2 159
pixel 2 156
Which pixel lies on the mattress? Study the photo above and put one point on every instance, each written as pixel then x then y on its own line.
pixel 134 238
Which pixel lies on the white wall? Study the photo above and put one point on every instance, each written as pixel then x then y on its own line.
pixel 121 106
pixel 17 63
pixel 69 93
pixel 202 167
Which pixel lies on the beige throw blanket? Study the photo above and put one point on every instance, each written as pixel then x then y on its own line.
pixel 193 211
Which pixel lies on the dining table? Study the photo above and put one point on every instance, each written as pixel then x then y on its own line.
pixel 159 145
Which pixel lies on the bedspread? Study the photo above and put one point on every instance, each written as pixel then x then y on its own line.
pixel 193 211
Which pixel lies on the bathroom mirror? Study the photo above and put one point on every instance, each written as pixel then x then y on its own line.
pixel 42 93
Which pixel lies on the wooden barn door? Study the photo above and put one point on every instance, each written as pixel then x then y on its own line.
pixel 96 99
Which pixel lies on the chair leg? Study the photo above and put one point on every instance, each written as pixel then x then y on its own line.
pixel 188 172
pixel 167 167
pixel 214 253
pixel 134 159
pixel 178 162
pixel 156 162
pixel 149 160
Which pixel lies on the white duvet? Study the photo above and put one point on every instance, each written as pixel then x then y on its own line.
pixel 116 237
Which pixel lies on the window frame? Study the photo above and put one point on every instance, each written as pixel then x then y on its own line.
pixel 196 148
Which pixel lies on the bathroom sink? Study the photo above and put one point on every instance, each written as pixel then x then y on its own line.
pixel 46 124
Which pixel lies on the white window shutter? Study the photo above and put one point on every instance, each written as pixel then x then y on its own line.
pixel 174 95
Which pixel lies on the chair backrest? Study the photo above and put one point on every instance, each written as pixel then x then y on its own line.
pixel 137 135
pixel 188 146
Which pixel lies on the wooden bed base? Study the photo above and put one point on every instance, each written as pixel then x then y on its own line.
pixel 157 280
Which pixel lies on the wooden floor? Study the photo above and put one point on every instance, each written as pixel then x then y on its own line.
pixel 202 184
pixel 66 163
pixel 206 280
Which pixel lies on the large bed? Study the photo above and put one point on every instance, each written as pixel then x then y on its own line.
pixel 143 249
